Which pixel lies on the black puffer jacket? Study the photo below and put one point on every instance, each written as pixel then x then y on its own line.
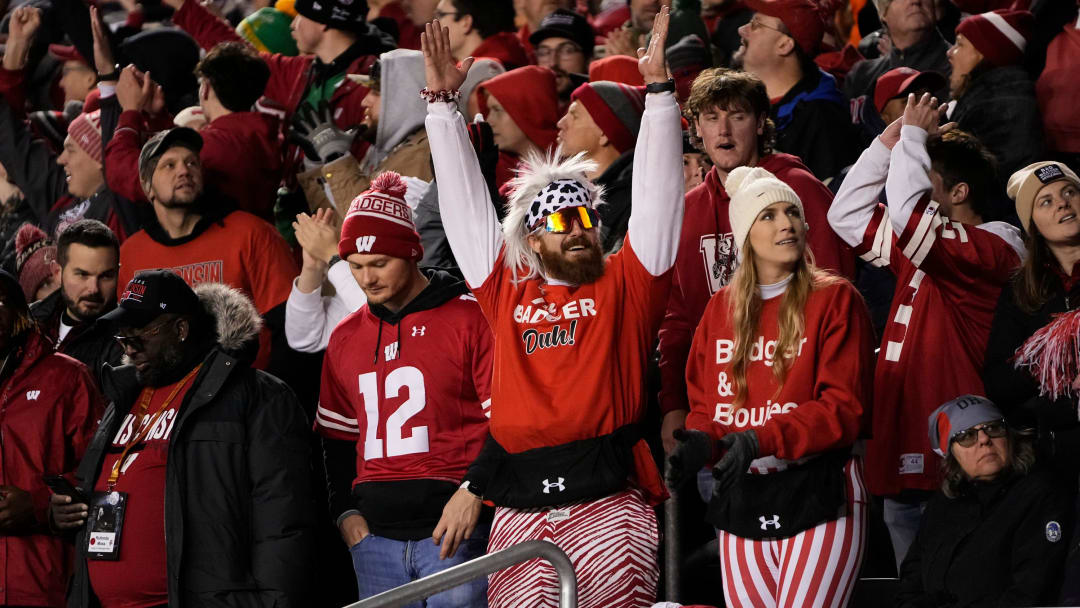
pixel 1001 544
pixel 999 107
pixel 238 511
pixel 1015 391
pixel 93 344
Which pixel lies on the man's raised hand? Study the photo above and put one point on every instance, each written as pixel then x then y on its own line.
pixel 923 112
pixel 440 69
pixel 103 57
pixel 651 61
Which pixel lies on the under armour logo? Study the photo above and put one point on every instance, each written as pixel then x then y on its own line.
pixel 558 484
pixel 418 331
pixel 32 395
pixel 765 523
pixel 390 351
pixel 364 243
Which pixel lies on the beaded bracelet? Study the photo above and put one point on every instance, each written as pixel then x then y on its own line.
pixel 445 95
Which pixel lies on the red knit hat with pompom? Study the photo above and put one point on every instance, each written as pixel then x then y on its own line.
pixel 34 253
pixel 380 222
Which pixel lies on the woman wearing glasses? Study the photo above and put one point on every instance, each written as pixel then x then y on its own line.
pixel 997 533
pixel 778 380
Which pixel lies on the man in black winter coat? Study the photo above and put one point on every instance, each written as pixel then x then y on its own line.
pixel 195 437
pixel 89 257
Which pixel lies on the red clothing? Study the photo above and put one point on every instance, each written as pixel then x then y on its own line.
pixel 49 409
pixel 289 76
pixel 421 410
pixel 825 396
pixel 571 360
pixel 707 260
pixel 946 294
pixel 13 90
pixel 504 47
pixel 241 158
pixel 240 250
pixel 530 97
pixel 139 578
pixel 408 32
pixel 1057 90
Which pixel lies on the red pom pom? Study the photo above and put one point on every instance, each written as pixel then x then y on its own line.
pixel 1052 355
pixel 27 235
pixel 389 182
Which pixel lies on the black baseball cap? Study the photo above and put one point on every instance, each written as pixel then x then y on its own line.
pixel 162 141
pixel 566 24
pixel 149 295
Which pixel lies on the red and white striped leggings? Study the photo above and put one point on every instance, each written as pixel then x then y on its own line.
pixel 612 543
pixel 816 567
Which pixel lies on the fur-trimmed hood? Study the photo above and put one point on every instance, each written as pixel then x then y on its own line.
pixel 236 319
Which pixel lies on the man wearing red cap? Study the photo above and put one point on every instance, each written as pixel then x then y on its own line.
pixel 812 117
pixel 995 97
pixel 729 116
pixel 397 448
pixel 893 87
pixel 77 77
pixel 603 122
pixel 564 460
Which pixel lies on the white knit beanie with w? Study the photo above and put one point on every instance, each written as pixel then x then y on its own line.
pixel 752 189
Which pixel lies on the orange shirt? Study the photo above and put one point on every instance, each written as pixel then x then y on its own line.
pixel 241 251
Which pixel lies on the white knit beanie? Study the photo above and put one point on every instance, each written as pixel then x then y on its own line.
pixel 752 189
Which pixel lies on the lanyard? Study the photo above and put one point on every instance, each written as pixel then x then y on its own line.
pixel 144 404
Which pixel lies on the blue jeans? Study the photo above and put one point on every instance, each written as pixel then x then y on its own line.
pixel 382 563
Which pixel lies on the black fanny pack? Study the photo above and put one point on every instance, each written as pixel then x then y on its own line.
pixel 580 470
pixel 782 504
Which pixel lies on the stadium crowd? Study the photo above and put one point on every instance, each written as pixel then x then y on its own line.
pixel 301 301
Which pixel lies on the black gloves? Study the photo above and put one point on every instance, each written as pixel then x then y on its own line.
pixel 739 450
pixel 690 454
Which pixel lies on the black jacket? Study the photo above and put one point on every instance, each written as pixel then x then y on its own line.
pixel 1017 393
pixel 927 55
pixel 1001 544
pixel 91 343
pixel 33 168
pixel 999 107
pixel 813 122
pixel 615 212
pixel 238 509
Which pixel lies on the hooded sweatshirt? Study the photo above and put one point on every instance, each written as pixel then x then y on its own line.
pixel 402 110
pixel 397 450
pixel 531 98
pixel 504 47
pixel 706 261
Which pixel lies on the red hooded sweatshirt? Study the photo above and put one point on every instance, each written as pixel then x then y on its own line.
pixel 504 47
pixel 530 97
pixel 706 261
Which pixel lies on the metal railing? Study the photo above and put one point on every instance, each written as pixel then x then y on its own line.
pixel 482 566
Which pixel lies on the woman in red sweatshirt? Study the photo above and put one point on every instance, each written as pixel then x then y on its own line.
pixel 779 380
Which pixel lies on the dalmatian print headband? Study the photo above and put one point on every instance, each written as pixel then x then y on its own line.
pixel 559 194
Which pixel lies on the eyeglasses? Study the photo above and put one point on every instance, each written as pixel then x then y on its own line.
pixel 993 430
pixel 563 51
pixel 440 15
pixel 562 221
pixel 755 24
pixel 137 341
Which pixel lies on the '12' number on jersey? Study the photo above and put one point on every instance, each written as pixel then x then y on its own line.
pixel 410 379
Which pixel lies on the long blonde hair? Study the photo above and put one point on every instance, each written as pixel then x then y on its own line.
pixel 744 304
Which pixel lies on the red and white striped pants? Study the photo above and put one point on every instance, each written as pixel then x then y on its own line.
pixel 612 543
pixel 816 567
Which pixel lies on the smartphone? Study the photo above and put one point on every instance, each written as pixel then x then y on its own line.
pixel 60 485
